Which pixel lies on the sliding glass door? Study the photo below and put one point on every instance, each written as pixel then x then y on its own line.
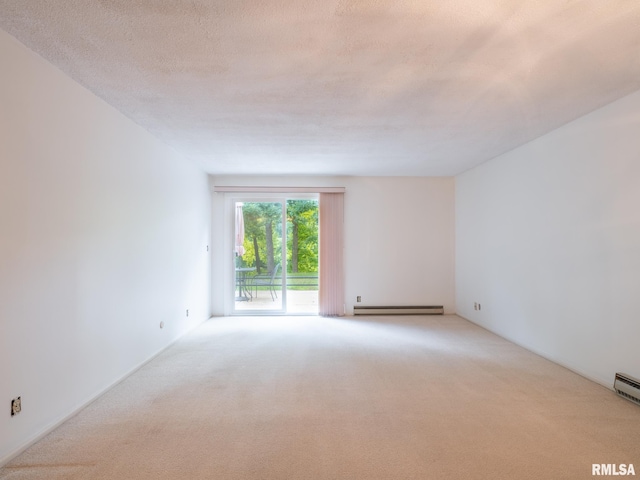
pixel 275 255
pixel 259 256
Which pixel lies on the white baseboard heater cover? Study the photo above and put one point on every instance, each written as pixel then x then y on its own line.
pixel 627 387
pixel 398 310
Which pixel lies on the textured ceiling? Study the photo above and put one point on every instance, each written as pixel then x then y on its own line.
pixel 348 87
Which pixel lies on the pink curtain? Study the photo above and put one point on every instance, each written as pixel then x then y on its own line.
pixel 331 225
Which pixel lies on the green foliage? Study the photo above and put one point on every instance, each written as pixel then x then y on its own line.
pixel 302 217
pixel 260 218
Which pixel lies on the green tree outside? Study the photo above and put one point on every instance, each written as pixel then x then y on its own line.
pixel 263 236
pixel 302 236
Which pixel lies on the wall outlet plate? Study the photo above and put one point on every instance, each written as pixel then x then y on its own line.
pixel 16 406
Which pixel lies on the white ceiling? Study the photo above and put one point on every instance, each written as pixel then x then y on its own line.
pixel 341 87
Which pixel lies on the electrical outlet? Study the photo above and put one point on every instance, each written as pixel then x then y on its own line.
pixel 358 299
pixel 475 305
pixel 479 306
pixel 187 312
pixel 161 324
pixel 16 406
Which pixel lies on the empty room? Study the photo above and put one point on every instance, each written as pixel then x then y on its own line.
pixel 354 239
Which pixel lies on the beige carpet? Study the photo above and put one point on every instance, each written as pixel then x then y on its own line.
pixel 314 398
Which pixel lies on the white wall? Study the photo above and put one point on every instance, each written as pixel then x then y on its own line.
pixel 548 241
pixel 104 234
pixel 399 238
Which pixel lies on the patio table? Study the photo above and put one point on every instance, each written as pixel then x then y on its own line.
pixel 244 294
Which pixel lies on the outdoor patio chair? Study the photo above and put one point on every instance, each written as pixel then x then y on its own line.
pixel 266 281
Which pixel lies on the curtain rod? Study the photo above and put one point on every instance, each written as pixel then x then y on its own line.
pixel 239 189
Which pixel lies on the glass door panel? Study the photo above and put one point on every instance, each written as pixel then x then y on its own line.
pixel 259 257
pixel 302 256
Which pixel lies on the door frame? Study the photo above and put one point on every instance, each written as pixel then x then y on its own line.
pixel 231 198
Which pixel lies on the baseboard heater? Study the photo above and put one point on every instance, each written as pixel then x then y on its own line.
pixel 399 310
pixel 627 387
